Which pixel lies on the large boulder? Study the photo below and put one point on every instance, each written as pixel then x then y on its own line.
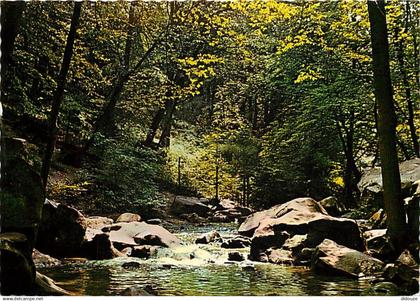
pixel 253 221
pixel 17 270
pixel 21 194
pixel 303 216
pixel 140 233
pixel 370 185
pixel 404 272
pixel 188 205
pixel 62 230
pixel 332 258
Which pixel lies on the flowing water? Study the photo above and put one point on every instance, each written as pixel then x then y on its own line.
pixel 173 273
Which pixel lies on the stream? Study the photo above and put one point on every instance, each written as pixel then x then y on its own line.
pixel 206 273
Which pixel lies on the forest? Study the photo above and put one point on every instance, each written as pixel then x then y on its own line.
pixel 210 148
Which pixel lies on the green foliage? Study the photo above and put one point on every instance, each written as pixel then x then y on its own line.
pixel 275 93
pixel 126 176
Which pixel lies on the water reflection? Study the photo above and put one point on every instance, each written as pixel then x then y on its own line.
pixel 109 278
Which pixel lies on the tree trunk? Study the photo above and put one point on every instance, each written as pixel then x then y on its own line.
pixel 248 190
pixel 179 174
pixel 211 92
pixel 105 121
pixel 244 190
pixel 164 140
pixel 394 205
pixel 375 114
pixel 352 174
pixel 250 107
pixel 266 113
pixel 11 13
pixel 255 114
pixel 409 99
pixel 59 93
pixel 216 186
pixel 154 127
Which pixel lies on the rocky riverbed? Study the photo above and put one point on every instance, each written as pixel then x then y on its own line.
pixel 210 273
pixel 296 248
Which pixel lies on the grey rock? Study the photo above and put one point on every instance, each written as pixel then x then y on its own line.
pixel 187 205
pixel 141 233
pixel 62 230
pixel 332 258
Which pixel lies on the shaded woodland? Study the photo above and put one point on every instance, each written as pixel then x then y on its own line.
pixel 125 106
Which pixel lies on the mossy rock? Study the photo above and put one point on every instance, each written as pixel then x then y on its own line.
pixel 22 194
pixel 17 273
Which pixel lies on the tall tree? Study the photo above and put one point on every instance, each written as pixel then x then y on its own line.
pixel 394 205
pixel 59 93
pixel 407 88
pixel 106 119
pixel 11 13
